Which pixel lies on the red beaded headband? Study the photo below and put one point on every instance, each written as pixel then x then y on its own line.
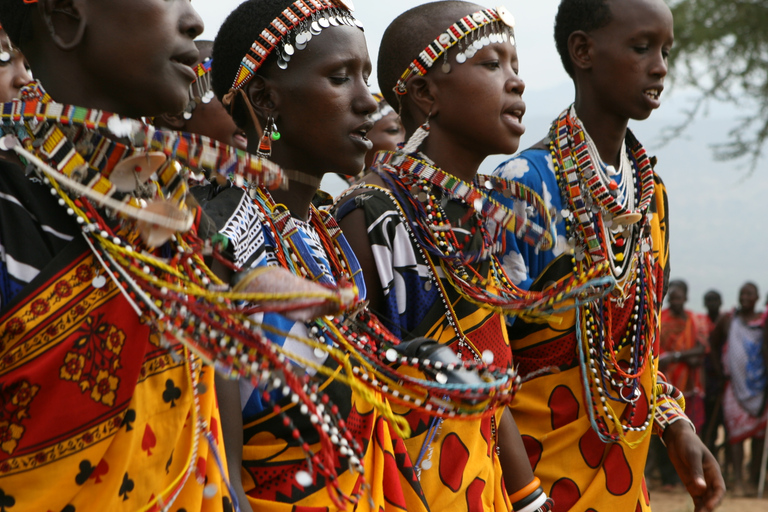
pixel 312 16
pixel 452 35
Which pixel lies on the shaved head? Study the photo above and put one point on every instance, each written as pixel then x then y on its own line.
pixel 409 34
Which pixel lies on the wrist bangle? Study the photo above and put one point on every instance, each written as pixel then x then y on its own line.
pixel 525 491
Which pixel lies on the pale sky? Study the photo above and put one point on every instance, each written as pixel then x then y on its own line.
pixel 716 212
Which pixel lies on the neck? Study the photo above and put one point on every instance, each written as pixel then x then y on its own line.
pixel 296 198
pixel 714 315
pixel 451 157
pixel 607 132
pixel 679 313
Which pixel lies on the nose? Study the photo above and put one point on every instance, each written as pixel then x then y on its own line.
pixel 365 103
pixel 190 22
pixel 515 83
pixel 21 76
pixel 660 65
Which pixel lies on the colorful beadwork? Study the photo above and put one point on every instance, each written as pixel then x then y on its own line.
pixel 291 30
pixel 632 263
pixel 487 26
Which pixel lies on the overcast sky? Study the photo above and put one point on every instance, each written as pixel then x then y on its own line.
pixel 717 213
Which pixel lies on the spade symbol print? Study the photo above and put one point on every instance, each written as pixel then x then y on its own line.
pixel 171 393
pixel 149 440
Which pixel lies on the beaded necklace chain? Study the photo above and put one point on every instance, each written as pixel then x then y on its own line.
pixel 420 185
pixel 590 208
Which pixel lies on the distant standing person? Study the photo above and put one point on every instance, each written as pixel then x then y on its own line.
pixel 741 336
pixel 713 407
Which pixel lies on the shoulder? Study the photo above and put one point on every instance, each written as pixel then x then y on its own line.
pixel 531 167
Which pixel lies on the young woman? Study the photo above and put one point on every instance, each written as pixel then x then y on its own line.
pixel 418 226
pixel 594 397
pixel 299 69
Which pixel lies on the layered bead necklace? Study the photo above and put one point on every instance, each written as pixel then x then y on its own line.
pixel 605 223
pixel 422 186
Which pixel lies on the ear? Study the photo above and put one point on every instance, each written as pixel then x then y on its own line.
pixel 263 97
pixel 173 121
pixel 580 49
pixel 65 21
pixel 421 93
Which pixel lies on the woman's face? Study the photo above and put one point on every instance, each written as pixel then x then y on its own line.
pixel 13 72
pixel 748 297
pixel 139 54
pixel 321 105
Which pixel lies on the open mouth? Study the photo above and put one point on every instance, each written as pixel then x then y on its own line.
pixel 654 94
pixel 362 131
pixel 516 113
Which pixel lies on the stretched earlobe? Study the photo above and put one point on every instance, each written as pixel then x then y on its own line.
pixel 60 17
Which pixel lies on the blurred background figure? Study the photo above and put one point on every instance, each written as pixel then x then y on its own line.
pixel 204 114
pixel 14 72
pixel 740 336
pixel 387 130
pixel 713 386
pixel 681 354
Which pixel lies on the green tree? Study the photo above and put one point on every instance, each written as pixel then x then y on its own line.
pixel 721 50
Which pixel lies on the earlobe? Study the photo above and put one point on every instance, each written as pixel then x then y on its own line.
pixel 65 21
pixel 580 49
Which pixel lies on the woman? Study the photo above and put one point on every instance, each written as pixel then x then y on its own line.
pixel 306 86
pixel 741 338
pixel 418 225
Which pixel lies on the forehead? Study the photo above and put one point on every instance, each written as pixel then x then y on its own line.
pixel 342 44
pixel 633 18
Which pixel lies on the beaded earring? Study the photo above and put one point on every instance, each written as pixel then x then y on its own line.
pixel 271 134
pixel 421 133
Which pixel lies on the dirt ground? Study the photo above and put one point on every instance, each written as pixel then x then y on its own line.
pixel 679 501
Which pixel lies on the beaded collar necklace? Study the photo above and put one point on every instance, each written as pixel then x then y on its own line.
pixel 607 379
pixel 481 28
pixel 291 30
pixel 416 183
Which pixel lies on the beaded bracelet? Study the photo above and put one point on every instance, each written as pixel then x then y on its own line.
pixel 667 412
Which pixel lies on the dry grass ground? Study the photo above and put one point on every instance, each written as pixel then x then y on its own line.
pixel 679 501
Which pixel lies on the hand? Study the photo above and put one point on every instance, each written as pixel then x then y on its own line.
pixel 697 467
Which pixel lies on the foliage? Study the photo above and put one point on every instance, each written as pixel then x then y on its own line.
pixel 721 50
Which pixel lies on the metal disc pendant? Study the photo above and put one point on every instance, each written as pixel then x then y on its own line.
pixel 627 219
pixel 323 22
pixel 446 67
pixel 333 21
pixel 5 56
pixel 494 38
pixel 281 63
pixel 461 58
pixel 485 41
pixel 301 46
pixel 315 29
pixel 478 44
pixel 506 16
pixel 136 169
pixel 300 39
pixel 288 49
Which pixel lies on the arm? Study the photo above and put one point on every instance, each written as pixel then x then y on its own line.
pixel 356 232
pixel 228 394
pixel 697 467
pixel 512 455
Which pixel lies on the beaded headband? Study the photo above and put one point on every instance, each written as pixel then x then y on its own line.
pixel 500 20
pixel 382 108
pixel 291 30
pixel 201 90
